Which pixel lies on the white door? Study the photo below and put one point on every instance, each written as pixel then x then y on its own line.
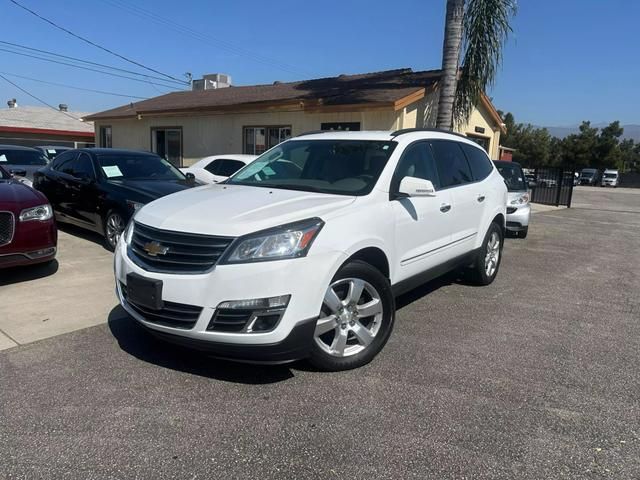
pixel 422 224
pixel 466 209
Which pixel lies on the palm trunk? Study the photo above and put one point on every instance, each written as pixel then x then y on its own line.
pixel 450 59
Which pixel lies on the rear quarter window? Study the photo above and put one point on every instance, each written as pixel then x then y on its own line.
pixel 479 162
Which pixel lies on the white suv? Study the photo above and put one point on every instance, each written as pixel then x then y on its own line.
pixel 301 253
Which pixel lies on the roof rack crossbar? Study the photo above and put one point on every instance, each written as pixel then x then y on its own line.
pixel 411 130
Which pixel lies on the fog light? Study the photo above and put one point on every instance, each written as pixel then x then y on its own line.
pixel 42 253
pixel 257 303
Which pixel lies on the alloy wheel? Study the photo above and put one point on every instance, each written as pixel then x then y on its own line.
pixel 114 228
pixel 492 254
pixel 350 319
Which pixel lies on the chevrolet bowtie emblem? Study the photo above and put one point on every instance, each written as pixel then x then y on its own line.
pixel 154 249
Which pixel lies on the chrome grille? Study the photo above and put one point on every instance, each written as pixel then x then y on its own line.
pixel 7 227
pixel 185 252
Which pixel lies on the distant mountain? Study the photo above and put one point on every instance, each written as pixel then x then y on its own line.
pixel 630 131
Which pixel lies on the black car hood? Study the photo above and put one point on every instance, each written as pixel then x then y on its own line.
pixel 151 188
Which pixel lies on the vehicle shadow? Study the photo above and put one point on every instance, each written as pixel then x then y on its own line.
pixel 458 277
pixel 82 233
pixel 136 341
pixel 28 273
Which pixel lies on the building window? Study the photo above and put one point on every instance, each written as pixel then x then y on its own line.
pixel 258 140
pixel 167 143
pixel 341 126
pixel 482 141
pixel 105 136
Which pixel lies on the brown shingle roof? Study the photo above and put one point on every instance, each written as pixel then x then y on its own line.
pixel 384 88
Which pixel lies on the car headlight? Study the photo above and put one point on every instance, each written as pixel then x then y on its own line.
pixel 135 206
pixel 521 200
pixel 41 213
pixel 127 234
pixel 287 241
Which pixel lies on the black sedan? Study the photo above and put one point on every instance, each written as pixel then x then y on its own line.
pixel 100 188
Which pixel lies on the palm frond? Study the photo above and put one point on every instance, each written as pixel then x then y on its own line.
pixel 486 27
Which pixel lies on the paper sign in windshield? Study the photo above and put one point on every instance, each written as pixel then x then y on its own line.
pixel 3 158
pixel 112 171
pixel 51 151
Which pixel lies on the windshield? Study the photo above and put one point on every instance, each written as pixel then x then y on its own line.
pixel 610 175
pixel 588 174
pixel 51 153
pixel 4 175
pixel 513 177
pixel 138 167
pixel 22 157
pixel 342 167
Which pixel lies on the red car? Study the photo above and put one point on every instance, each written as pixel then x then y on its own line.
pixel 28 231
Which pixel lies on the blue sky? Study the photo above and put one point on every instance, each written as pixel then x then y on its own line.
pixel 567 60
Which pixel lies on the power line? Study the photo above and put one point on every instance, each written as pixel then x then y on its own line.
pixel 87 68
pixel 72 86
pixel 81 60
pixel 86 40
pixel 37 98
pixel 142 13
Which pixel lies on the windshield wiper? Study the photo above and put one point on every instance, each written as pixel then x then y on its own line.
pixel 302 188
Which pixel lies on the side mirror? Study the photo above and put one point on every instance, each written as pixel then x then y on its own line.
pixel 416 187
pixel 191 178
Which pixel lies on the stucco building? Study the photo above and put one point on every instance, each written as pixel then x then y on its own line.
pixel 216 118
pixel 33 126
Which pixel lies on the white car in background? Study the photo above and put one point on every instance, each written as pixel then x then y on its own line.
pixel 217 168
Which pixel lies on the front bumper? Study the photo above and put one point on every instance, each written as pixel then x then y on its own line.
pixel 18 259
pixel 304 279
pixel 519 219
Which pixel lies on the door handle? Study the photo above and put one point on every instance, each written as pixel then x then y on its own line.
pixel 481 198
pixel 445 207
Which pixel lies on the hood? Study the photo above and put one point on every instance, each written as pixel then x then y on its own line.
pixel 151 189
pixel 234 210
pixel 15 196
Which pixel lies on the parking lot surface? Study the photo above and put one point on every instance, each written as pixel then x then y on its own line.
pixel 535 376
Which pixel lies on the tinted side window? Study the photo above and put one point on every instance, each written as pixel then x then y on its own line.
pixel 63 160
pixel 478 161
pixel 82 167
pixel 214 167
pixel 229 167
pixel 453 168
pixel 417 161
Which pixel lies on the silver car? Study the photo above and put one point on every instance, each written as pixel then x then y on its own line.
pixel 518 207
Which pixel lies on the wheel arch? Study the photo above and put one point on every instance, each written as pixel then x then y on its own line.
pixel 374 256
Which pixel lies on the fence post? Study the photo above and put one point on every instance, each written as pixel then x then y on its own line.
pixel 559 185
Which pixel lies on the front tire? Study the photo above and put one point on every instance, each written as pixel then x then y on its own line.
pixel 114 225
pixel 356 318
pixel 485 267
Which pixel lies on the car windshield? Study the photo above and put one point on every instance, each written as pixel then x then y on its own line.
pixel 342 167
pixel 513 177
pixel 22 157
pixel 588 174
pixel 138 167
pixel 610 175
pixel 4 175
pixel 51 153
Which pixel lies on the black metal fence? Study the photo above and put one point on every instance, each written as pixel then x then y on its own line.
pixel 551 185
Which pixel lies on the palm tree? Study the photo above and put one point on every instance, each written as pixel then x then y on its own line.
pixel 481 27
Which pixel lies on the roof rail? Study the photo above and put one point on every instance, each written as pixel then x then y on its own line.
pixel 313 132
pixel 411 130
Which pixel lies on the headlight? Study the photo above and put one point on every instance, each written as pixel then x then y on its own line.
pixel 128 232
pixel 287 241
pixel 522 199
pixel 41 213
pixel 135 206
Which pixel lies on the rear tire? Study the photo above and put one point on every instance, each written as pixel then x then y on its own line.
pixel 356 318
pixel 485 267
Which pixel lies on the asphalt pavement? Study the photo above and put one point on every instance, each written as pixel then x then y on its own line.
pixel 535 376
